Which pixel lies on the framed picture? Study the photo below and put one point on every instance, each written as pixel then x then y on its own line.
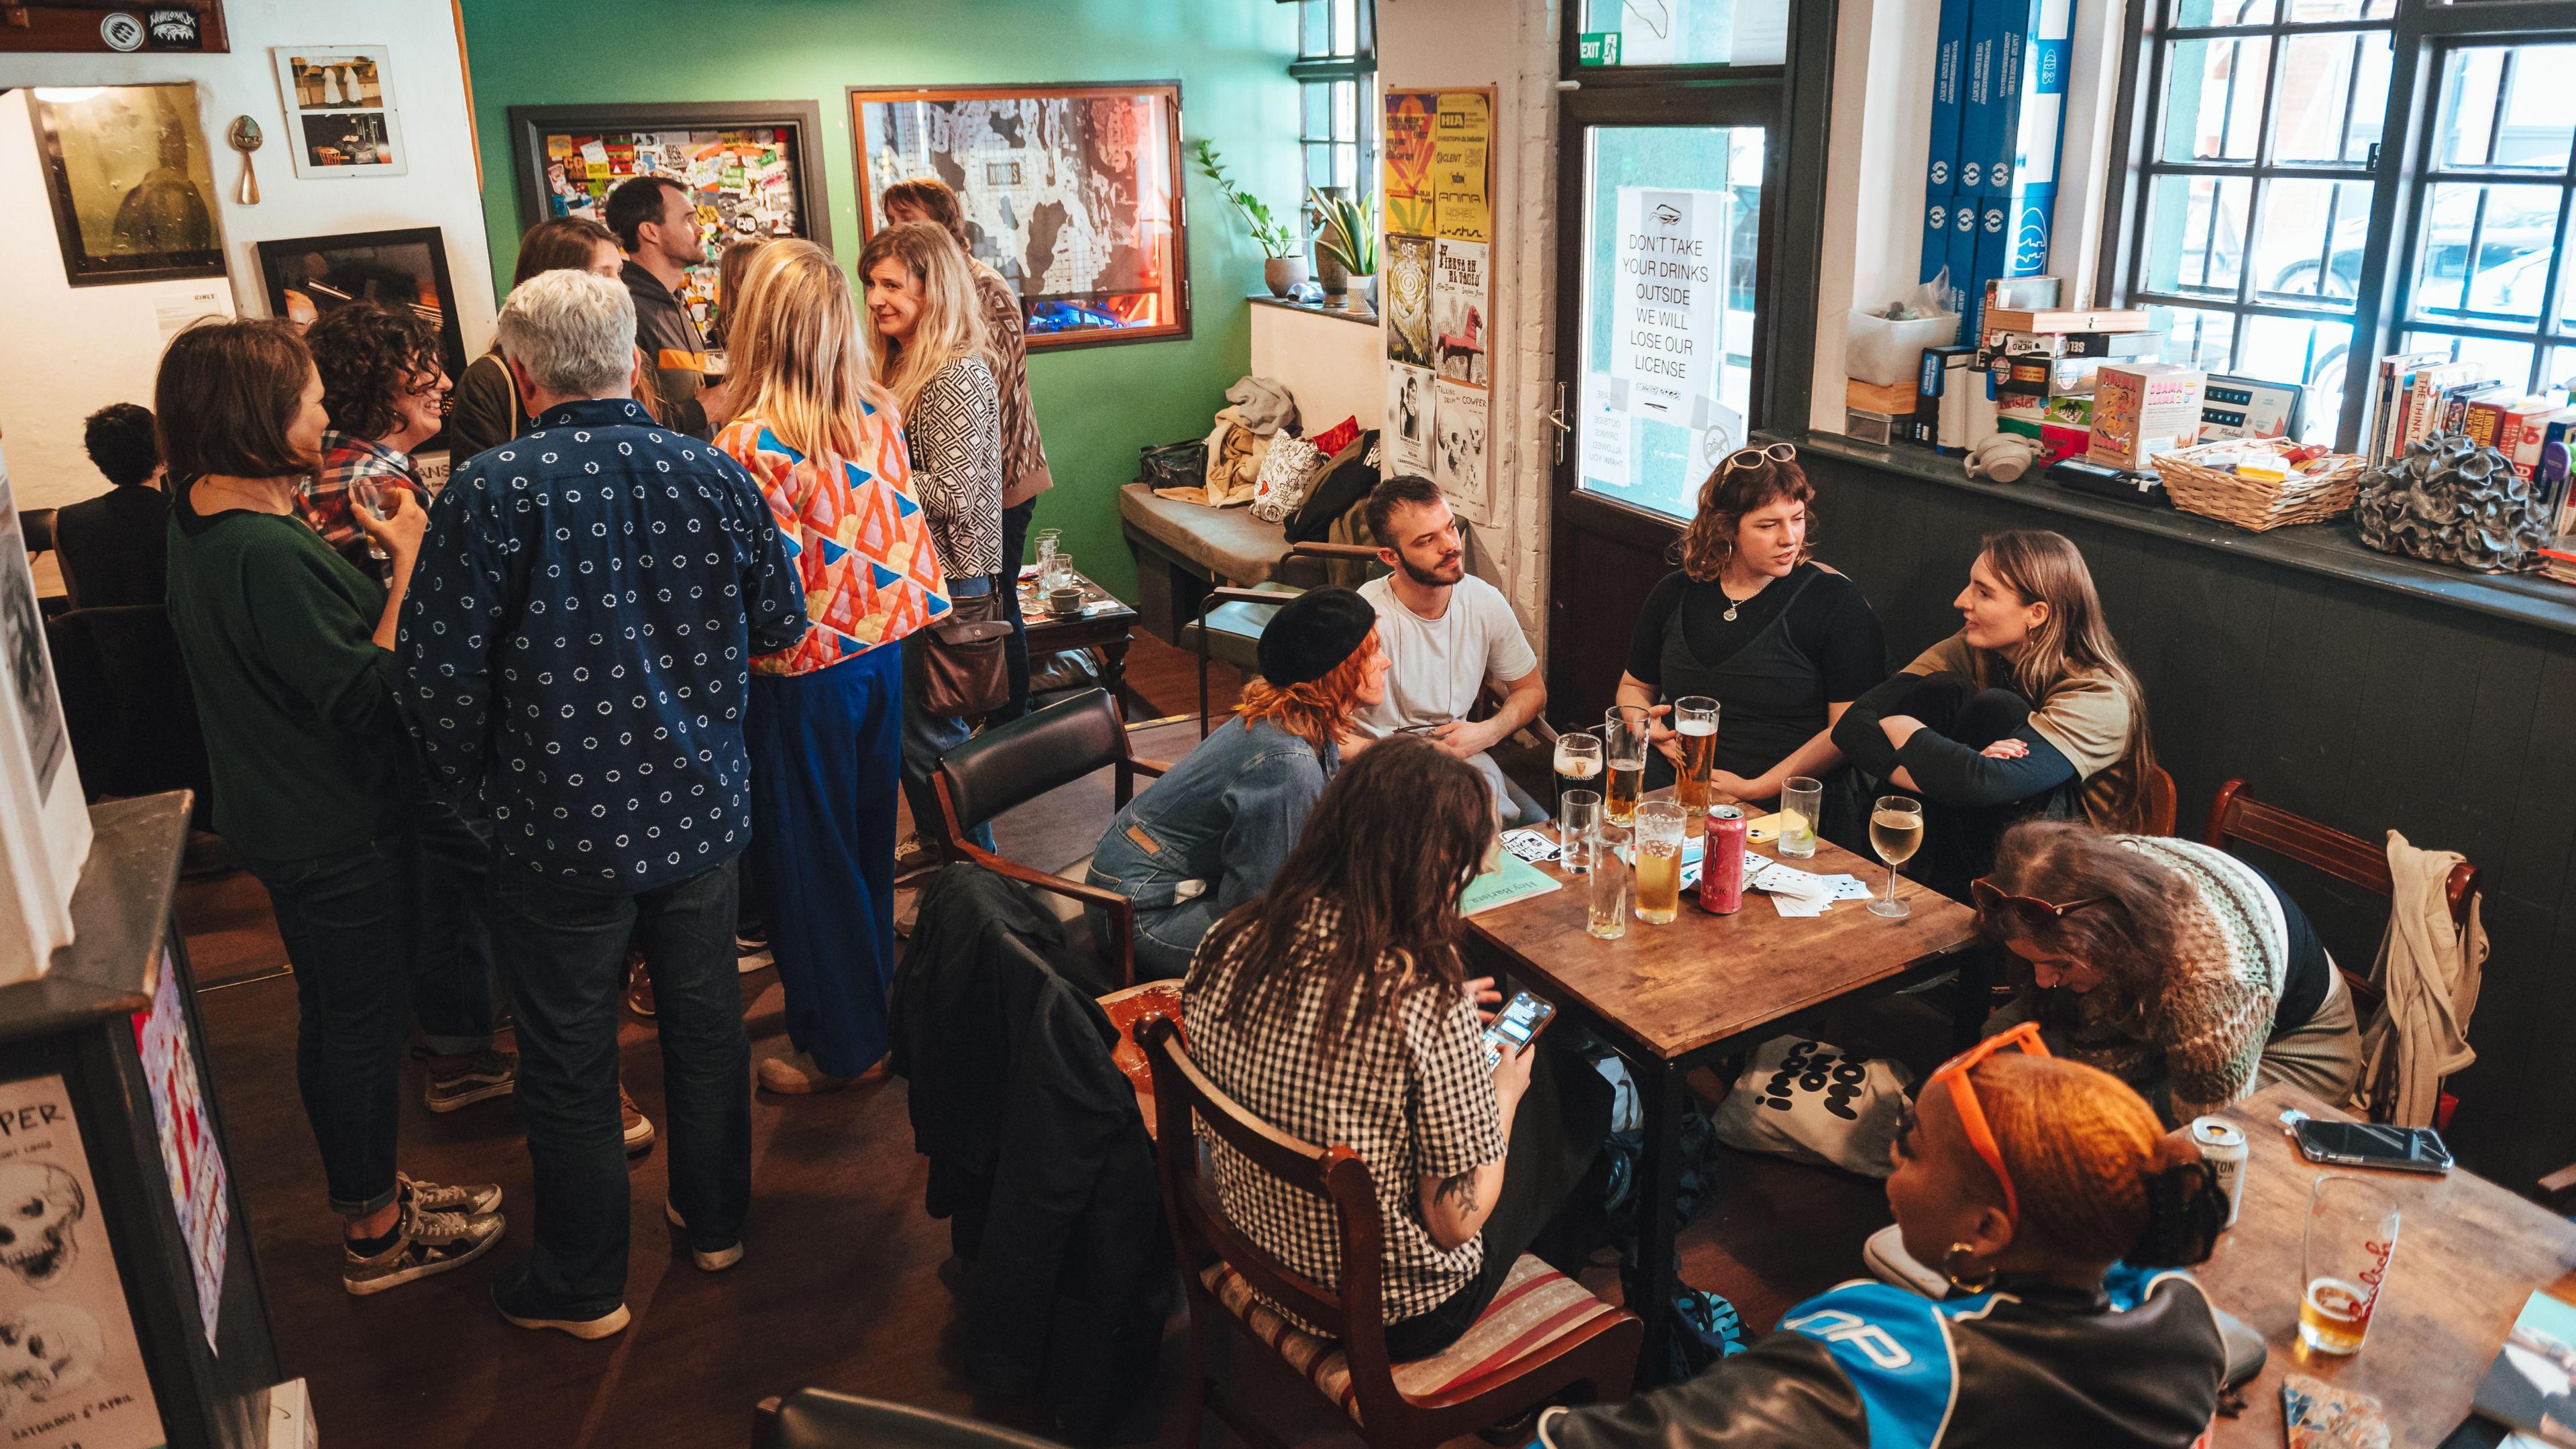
pixel 309 276
pixel 132 183
pixel 753 168
pixel 340 116
pixel 113 26
pixel 1071 192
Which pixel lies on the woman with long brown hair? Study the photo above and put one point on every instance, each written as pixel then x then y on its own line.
pixel 1211 834
pixel 1336 1008
pixel 2028 709
pixel 1749 619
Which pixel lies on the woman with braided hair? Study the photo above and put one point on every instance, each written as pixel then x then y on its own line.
pixel 2056 1207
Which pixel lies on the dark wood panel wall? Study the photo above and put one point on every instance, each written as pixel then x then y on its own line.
pixel 2350 704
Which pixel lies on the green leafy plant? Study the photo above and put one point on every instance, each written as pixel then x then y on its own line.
pixel 1268 233
pixel 1346 230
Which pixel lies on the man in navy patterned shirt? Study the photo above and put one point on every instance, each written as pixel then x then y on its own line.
pixel 576 650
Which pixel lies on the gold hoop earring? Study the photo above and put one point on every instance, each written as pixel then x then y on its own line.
pixel 1950 1269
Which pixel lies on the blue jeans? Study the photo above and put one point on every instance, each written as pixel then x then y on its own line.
pixel 1015 650
pixel 563 954
pixel 824 750
pixel 1166 939
pixel 451 985
pixel 927 736
pixel 347 922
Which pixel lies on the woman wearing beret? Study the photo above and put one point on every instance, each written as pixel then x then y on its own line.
pixel 1210 835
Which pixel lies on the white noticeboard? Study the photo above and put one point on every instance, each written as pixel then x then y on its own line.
pixel 1669 267
pixel 44 817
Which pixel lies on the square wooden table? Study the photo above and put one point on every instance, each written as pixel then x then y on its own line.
pixel 1105 624
pixel 1672 997
pixel 2468 1254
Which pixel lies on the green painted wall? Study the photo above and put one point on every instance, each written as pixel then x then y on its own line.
pixel 1095 405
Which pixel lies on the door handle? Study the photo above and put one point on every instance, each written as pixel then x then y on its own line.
pixel 1557 420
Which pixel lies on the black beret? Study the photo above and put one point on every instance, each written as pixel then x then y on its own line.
pixel 1311 636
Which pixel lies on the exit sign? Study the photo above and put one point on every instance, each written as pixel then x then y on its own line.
pixel 1597 47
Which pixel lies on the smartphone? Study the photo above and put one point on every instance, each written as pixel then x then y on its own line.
pixel 2367 1144
pixel 1520 1023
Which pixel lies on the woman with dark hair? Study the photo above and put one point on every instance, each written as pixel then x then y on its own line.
pixel 2053 1210
pixel 2177 968
pixel 733 265
pixel 1211 834
pixel 387 394
pixel 1782 643
pixel 2028 710
pixel 290 656
pixel 1336 1008
pixel 487 412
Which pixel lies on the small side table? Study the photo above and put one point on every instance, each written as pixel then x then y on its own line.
pixel 1105 624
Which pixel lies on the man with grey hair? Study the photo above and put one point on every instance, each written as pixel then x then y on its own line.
pixel 576 649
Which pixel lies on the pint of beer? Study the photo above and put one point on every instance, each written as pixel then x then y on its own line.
pixel 2352 1234
pixel 1659 862
pixel 1623 741
pixel 1695 721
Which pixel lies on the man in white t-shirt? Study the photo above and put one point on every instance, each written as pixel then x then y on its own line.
pixel 1447 633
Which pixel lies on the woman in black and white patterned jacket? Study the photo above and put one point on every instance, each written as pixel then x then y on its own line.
pixel 928 336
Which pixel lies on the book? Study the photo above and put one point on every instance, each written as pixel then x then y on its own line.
pixel 1514 879
pixel 2388 401
pixel 2521 433
pixel 2531 1386
pixel 2066 319
pixel 2432 398
pixel 2319 1415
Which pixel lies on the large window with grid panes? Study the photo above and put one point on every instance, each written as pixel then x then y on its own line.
pixel 2316 183
pixel 1336 74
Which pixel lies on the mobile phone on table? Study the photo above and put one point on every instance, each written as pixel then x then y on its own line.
pixel 1519 1024
pixel 2368 1144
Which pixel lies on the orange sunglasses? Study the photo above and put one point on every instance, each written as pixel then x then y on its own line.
pixel 1972 1117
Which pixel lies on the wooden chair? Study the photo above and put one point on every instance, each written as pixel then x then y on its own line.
pixel 1004 768
pixel 1547 1333
pixel 2159 801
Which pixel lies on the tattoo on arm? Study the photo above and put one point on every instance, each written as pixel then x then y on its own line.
pixel 1459 1192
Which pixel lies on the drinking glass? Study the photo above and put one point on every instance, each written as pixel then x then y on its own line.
pixel 1578 817
pixel 1605 883
pixel 1048 540
pixel 2352 1231
pixel 368 494
pixel 1800 799
pixel 1623 747
pixel 1064 576
pixel 1695 721
pixel 1578 767
pixel 1658 852
pixel 1895 832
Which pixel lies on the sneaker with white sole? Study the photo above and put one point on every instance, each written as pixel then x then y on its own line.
pixel 461 1197
pixel 715 1261
pixel 461 1081
pixel 425 1243
pixel 513 1301
pixel 1888 1262
pixel 633 1124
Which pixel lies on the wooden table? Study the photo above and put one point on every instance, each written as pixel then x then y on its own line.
pixel 1673 997
pixel 2468 1254
pixel 1105 624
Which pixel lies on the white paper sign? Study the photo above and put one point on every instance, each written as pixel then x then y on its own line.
pixel 1668 267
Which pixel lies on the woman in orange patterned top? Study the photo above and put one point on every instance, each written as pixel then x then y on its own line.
pixel 824 722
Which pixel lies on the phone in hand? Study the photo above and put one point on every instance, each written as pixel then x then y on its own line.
pixel 2368 1144
pixel 1519 1024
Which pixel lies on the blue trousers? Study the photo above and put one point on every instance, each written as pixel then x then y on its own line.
pixel 826 752
pixel 452 997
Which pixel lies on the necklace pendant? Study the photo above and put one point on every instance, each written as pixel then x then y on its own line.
pixel 1730 613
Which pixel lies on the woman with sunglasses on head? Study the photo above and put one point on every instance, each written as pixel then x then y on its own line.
pixel 1782 643
pixel 2177 968
pixel 2052 1202
pixel 2028 710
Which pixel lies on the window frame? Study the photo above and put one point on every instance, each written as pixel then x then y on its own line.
pixel 1324 68
pixel 2421 33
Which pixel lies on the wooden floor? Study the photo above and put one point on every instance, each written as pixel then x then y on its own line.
pixel 842 1284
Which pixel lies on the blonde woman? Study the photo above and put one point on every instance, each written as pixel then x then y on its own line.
pixel 824 719
pixel 926 331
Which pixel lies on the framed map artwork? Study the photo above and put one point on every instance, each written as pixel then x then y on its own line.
pixel 1071 192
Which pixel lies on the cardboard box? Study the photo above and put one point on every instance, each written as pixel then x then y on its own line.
pixel 2033 91
pixel 1994 250
pixel 2027 294
pixel 1980 104
pixel 1962 257
pixel 2067 319
pixel 1936 245
pixel 1949 77
pixel 2140 411
pixel 1873 397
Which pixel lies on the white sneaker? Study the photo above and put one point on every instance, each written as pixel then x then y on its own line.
pixel 1888 1262
pixel 708 1262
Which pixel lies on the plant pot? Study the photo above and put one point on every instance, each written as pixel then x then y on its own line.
pixel 1336 281
pixel 1363 292
pixel 1283 273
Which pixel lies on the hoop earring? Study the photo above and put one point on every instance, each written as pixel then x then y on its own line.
pixel 1950 1269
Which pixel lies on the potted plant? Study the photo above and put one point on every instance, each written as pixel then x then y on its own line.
pixel 1345 241
pixel 1281 267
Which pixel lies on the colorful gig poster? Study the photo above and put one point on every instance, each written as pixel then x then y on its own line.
pixel 190 1155
pixel 1461 134
pixel 1409 116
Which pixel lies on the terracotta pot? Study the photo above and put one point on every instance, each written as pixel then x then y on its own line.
pixel 1283 273
pixel 1335 279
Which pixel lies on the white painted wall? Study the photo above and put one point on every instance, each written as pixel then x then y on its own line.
pixel 73 350
pixel 1334 367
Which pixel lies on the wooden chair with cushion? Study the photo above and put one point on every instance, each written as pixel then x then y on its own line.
pixel 1002 769
pixel 1545 1333
pixel 2160 801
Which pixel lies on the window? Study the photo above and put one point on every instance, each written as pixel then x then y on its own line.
pixel 1336 72
pixel 2277 239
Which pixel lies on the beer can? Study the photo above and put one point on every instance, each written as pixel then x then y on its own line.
pixel 2222 1146
pixel 1721 862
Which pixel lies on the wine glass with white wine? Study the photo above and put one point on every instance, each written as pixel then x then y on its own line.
pixel 1895 832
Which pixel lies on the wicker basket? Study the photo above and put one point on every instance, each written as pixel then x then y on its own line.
pixel 2325 491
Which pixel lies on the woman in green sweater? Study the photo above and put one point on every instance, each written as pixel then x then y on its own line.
pixel 289 653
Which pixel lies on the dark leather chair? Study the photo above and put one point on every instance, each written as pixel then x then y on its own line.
pixel 821 1419
pixel 1230 620
pixel 1002 769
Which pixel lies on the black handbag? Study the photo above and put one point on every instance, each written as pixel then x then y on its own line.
pixel 1173 465
pixel 963 670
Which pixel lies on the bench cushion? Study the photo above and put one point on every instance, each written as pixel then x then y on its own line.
pixel 1231 544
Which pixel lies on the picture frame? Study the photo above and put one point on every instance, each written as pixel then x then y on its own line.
pixel 131 181
pixel 721 149
pixel 114 27
pixel 1096 244
pixel 341 120
pixel 305 277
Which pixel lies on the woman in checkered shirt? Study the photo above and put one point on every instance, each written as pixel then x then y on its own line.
pixel 1337 1009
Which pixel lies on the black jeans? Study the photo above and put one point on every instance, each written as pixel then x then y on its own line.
pixel 1959 840
pixel 563 953
pixel 1015 650
pixel 452 997
pixel 347 922
pixel 1557 1132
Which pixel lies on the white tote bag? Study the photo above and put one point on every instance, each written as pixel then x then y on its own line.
pixel 1807 1100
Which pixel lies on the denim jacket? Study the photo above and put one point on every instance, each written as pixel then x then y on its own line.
pixel 1223 820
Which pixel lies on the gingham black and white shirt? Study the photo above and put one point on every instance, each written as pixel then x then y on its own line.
pixel 1409 1092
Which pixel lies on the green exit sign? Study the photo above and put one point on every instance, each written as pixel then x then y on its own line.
pixel 1596 47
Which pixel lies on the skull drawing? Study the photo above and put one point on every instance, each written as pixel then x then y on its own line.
pixel 45 1349
pixel 39 1205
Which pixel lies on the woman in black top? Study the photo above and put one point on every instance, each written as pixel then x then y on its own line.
pixel 1782 643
